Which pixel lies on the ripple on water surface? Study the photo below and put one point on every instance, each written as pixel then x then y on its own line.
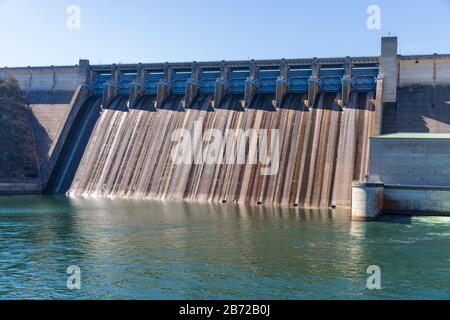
pixel 157 250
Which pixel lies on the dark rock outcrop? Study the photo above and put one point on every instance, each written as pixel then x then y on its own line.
pixel 18 160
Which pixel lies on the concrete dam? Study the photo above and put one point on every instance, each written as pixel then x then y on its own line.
pixel 108 130
pixel 129 154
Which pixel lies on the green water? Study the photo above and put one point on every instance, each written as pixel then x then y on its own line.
pixel 156 250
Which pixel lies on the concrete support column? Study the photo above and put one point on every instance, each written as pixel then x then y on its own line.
pixel 221 87
pixel 282 85
pixel 367 200
pixel 389 74
pixel 377 129
pixel 346 84
pixel 250 86
pixel 435 74
pixel 389 68
pixel 55 80
pixel 192 87
pixel 137 88
pixel 313 84
pixel 30 81
pixel 84 74
pixel 163 90
pixel 111 89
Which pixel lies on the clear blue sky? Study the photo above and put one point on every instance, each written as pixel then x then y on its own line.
pixel 35 32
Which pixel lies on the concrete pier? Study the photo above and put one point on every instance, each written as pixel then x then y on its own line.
pixel 367 200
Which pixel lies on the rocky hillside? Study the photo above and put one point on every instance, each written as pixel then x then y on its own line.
pixel 17 148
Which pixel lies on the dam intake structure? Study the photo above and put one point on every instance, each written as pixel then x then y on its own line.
pixel 300 129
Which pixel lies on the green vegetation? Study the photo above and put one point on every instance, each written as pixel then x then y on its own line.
pixel 10 90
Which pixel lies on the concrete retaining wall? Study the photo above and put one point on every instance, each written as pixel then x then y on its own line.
pixel 414 200
pixel 44 78
pixel 47 122
pixel 19 188
pixel 424 72
pixel 422 97
pixel 415 169
pixel 411 161
pixel 79 98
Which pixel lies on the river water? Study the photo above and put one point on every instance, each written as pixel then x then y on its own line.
pixel 158 250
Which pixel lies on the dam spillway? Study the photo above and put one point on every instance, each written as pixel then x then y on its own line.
pixel 129 155
pixel 322 126
pixel 112 130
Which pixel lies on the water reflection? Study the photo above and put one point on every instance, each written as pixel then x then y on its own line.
pixel 153 250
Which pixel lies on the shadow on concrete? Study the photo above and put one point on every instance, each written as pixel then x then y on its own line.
pixel 174 103
pixel 234 102
pixel 72 152
pixel 263 101
pixel 203 102
pixel 118 103
pixel 295 101
pixel 49 97
pixel 42 141
pixel 146 103
pixel 422 109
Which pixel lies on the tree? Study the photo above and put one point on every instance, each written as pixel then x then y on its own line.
pixel 10 89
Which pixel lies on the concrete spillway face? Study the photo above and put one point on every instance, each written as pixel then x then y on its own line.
pixel 74 147
pixel 320 152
